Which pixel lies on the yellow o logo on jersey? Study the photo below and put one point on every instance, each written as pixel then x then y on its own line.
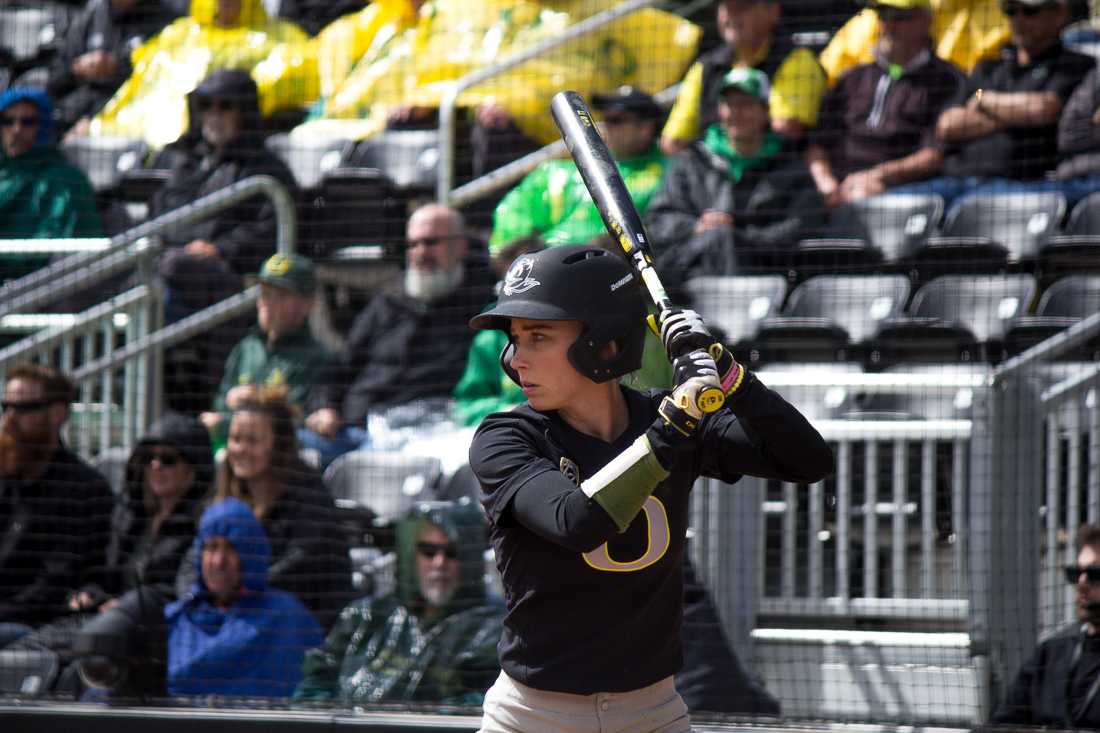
pixel 658 534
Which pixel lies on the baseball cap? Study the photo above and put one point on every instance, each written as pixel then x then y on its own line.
pixel 631 100
pixel 902 4
pixel 289 271
pixel 748 81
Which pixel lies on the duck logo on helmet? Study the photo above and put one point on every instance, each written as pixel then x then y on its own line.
pixel 518 279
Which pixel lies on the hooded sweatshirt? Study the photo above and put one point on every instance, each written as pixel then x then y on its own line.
pixel 382 650
pixel 42 195
pixel 252 649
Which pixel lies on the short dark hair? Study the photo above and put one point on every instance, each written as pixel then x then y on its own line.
pixel 56 387
pixel 1089 536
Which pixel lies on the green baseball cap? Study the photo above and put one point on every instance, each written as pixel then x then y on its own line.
pixel 289 271
pixel 748 81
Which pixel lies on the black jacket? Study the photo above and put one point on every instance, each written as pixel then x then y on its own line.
pixel 53 531
pixel 400 349
pixel 99 27
pixel 1038 695
pixel 244 233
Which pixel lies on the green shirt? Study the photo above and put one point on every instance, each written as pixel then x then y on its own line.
pixel 296 360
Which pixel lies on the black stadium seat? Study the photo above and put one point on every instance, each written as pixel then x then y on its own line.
pixel 737 305
pixel 1064 303
pixel 831 317
pixel 894 225
pixel 956 318
pixel 409 158
pixel 1079 244
pixel 308 158
pixel 106 160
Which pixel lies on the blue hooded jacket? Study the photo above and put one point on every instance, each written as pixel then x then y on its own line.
pixel 253 649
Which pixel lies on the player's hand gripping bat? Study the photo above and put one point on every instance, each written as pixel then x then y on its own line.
pixel 609 193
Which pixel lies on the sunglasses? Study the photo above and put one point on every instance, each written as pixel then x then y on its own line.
pixel 28 406
pixel 431 550
pixel 166 460
pixel 615 120
pixel 1074 573
pixel 221 105
pixel 430 241
pixel 23 121
pixel 1028 11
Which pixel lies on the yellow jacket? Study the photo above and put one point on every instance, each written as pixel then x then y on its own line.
pixel 963 31
pixel 152 103
pixel 416 65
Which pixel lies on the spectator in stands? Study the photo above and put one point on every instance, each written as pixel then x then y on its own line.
pixel 167 477
pixel 753 40
pixel 94 58
pixel 280 350
pixel 54 508
pixel 964 32
pixel 409 345
pixel 152 103
pixel 552 201
pixel 233 634
pixel 433 640
pixel 733 198
pixel 313 15
pixel 1058 686
pixel 224 145
pixel 42 195
pixel 1003 128
pixel 1079 141
pixel 262 467
pixel 877 125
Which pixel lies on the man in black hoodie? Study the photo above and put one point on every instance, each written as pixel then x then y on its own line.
pixel 94 59
pixel 223 145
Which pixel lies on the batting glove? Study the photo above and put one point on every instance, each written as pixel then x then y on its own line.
pixel 683 331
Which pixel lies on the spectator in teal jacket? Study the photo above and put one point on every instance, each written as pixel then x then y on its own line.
pixel 42 195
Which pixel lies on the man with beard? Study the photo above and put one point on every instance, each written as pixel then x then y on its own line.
pixel 1058 687
pixel 434 639
pixel 405 346
pixel 54 508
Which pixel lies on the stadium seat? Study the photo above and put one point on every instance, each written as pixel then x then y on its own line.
pixel 812 400
pixel 27 673
pixel 31 33
pixel 917 403
pixel 409 158
pixel 387 483
pixel 989 231
pixel 106 160
pixel 894 225
pixel 308 159
pixel 955 318
pixel 831 316
pixel 1079 244
pixel 1065 302
pixel 737 305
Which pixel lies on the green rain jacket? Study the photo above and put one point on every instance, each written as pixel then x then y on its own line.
pixel 381 651
pixel 296 361
pixel 552 201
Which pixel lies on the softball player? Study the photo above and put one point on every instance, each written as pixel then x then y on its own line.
pixel 586 488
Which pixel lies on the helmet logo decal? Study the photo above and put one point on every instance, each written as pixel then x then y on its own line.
pixel 570 471
pixel 518 279
pixel 621 281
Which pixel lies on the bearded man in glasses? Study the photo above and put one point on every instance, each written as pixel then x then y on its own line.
pixel 54 508
pixel 41 194
pixel 1060 685
pixel 1001 133
pixel 434 639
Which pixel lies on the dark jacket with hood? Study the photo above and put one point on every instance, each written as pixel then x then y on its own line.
pixel 400 349
pixel 42 195
pixel 101 27
pixel 381 650
pixel 254 648
pixel 244 233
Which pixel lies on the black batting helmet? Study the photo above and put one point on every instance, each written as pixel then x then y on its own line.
pixel 576 283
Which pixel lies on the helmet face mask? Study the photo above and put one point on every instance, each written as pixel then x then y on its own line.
pixel 576 283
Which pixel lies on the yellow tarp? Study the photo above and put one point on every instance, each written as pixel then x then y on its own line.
pixel 415 65
pixel 152 103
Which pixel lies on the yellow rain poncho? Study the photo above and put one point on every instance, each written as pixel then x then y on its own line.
pixel 963 32
pixel 152 103
pixel 451 38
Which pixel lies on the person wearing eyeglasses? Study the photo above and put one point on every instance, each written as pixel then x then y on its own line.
pixel 42 195
pixel 434 638
pixel 1059 686
pixel 1001 133
pixel 55 509
pixel 552 201
pixel 406 350
pixel 877 125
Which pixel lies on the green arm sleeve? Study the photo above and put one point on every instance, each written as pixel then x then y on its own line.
pixel 622 486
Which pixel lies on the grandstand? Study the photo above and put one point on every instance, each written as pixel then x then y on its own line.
pixel 945 342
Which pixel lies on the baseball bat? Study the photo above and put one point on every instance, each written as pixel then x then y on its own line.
pixel 612 199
